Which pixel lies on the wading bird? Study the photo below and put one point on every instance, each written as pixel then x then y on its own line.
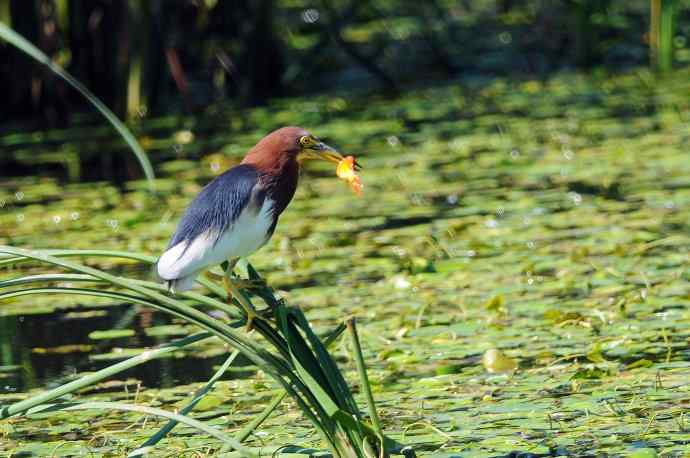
pixel 236 213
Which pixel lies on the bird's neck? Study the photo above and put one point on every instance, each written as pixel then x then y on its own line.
pixel 279 181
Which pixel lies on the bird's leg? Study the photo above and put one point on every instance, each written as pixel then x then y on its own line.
pixel 242 283
pixel 249 283
pixel 232 287
pixel 213 276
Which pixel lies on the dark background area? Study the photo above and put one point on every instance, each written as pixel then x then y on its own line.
pixel 182 55
pixel 194 58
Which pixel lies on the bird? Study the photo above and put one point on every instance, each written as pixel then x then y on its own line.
pixel 236 213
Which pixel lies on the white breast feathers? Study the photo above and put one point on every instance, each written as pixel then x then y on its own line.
pixel 246 235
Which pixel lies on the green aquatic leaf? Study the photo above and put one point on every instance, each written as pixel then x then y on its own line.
pixel 495 361
pixel 643 453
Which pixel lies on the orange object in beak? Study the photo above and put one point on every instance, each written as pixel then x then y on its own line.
pixel 346 171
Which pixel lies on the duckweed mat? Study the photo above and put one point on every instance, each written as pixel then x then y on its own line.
pixel 518 265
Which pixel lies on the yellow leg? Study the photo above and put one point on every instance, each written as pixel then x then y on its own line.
pixel 211 276
pixel 243 283
pixel 232 287
pixel 247 283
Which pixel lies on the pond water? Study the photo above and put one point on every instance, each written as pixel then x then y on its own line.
pixel 548 219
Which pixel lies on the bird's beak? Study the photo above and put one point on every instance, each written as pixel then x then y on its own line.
pixel 327 153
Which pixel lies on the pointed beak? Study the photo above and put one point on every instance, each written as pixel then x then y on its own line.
pixel 327 153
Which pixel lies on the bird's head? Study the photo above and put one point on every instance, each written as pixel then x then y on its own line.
pixel 290 144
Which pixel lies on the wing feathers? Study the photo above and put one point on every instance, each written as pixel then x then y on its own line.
pixel 218 205
pixel 231 217
pixel 187 257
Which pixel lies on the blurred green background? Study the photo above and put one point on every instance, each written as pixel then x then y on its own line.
pixel 527 183
pixel 160 57
pixel 198 58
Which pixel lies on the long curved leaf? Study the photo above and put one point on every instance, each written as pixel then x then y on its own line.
pixel 21 43
pixel 90 379
pixel 206 300
pixel 148 411
pixel 272 364
pixel 198 396
pixel 6 259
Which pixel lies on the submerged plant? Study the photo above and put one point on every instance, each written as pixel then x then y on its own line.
pixel 292 354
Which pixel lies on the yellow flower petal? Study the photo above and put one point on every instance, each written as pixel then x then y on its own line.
pixel 346 171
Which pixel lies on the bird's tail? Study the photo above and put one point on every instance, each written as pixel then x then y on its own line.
pixel 181 284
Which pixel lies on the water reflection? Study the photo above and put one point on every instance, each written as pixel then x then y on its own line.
pixel 50 348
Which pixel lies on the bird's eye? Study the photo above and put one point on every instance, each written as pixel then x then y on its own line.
pixel 309 142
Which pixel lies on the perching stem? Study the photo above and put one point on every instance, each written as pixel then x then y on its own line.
pixel 364 380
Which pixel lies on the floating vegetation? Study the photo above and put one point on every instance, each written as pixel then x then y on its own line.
pixel 295 358
pixel 546 219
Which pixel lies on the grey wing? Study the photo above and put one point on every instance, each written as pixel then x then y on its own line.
pixel 212 212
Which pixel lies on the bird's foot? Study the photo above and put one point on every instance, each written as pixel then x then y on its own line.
pixel 252 316
pixel 249 283
pixel 233 290
pixel 213 276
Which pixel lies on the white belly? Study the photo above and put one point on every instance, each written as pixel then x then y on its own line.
pixel 248 233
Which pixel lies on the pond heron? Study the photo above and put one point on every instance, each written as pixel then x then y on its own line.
pixel 236 213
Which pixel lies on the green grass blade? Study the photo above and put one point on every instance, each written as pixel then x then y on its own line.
pixel 364 381
pixel 80 292
pixel 306 362
pixel 279 369
pixel 21 43
pixel 334 375
pixel 307 366
pixel 256 422
pixel 87 380
pixel 326 407
pixel 28 279
pixel 7 259
pixel 333 335
pixel 205 300
pixel 198 396
pixel 275 402
pixel 147 411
